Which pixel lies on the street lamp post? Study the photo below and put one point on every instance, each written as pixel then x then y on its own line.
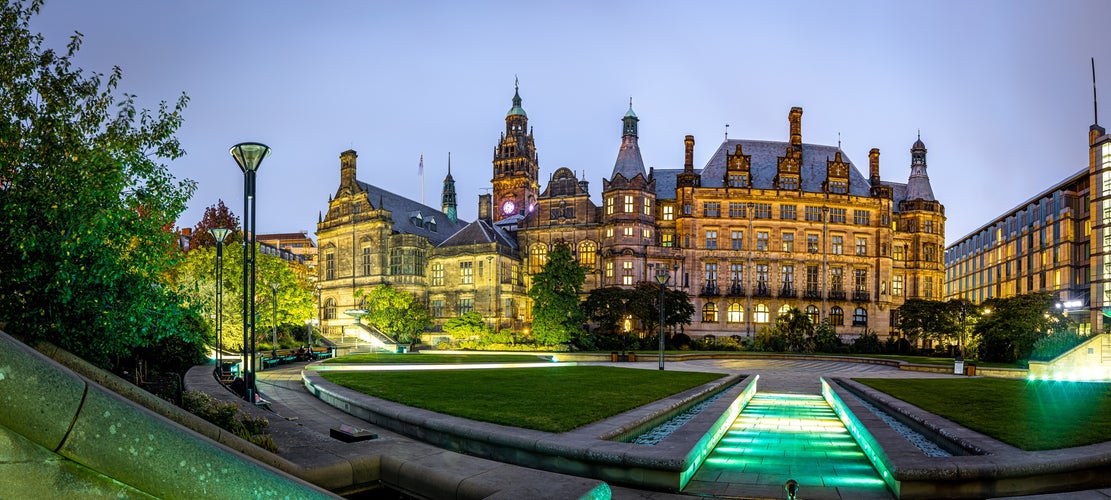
pixel 318 323
pixel 274 324
pixel 624 323
pixel 249 155
pixel 219 234
pixel 662 276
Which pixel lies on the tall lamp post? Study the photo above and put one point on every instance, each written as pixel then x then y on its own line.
pixel 219 234
pixel 274 324
pixel 662 276
pixel 316 293
pixel 249 155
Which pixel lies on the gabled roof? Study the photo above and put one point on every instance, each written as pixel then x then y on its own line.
pixel 765 165
pixel 405 210
pixel 479 231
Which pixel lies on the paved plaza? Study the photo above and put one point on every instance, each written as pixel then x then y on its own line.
pixel 831 473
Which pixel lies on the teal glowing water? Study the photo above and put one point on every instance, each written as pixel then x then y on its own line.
pixel 790 436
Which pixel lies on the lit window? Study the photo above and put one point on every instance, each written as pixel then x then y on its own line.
pixel 761 314
pixel 836 316
pixel 628 204
pixel 735 313
pixel 587 251
pixel 709 313
pixel 669 212
pixel 609 205
pixel 626 273
pixel 647 206
pixel 788 242
pixel 628 231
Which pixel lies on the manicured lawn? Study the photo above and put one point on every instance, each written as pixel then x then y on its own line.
pixel 929 360
pixel 1040 415
pixel 437 358
pixel 556 399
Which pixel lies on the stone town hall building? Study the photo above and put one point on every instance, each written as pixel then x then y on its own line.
pixel 763 226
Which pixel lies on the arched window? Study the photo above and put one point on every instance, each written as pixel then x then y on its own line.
pixel 735 313
pixel 330 309
pixel 761 314
pixel 812 313
pixel 860 317
pixel 538 256
pixel 587 253
pixel 783 310
pixel 836 316
pixel 710 313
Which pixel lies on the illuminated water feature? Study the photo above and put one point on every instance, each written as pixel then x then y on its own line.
pixel 791 436
pixel 656 434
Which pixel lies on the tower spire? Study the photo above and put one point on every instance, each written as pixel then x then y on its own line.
pixel 448 199
pixel 629 162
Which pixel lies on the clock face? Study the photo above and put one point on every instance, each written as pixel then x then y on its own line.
pixel 507 207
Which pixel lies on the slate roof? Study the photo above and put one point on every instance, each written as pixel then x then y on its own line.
pixel 479 231
pixel 404 209
pixel 765 165
pixel 629 162
pixel 665 182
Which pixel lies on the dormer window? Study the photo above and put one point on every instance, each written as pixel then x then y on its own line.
pixel 840 187
pixel 738 180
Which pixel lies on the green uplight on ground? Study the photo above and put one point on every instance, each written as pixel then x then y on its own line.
pixel 790 436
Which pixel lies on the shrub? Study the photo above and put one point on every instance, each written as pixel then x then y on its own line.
pixel 867 343
pixel 681 341
pixel 1056 344
pixel 227 416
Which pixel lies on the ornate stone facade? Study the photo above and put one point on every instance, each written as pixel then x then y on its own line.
pixel 762 227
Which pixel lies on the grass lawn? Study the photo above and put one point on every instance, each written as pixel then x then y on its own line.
pixel 1039 415
pixel 556 399
pixel 930 360
pixel 415 358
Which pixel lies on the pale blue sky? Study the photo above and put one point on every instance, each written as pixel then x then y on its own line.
pixel 1001 90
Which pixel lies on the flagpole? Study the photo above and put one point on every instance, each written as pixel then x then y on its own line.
pixel 421 170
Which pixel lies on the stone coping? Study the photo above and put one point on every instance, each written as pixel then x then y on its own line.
pixel 989 468
pixel 49 400
pixel 413 467
pixel 586 451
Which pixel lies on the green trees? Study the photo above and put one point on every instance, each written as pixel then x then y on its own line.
pixel 396 313
pixel 1009 332
pixel 556 316
pixel 86 204
pixel 468 325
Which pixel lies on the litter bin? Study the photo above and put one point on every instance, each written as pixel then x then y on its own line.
pixel 970 370
pixel 613 356
pixel 958 366
pixel 632 356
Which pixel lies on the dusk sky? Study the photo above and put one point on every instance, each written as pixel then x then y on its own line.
pixel 1001 90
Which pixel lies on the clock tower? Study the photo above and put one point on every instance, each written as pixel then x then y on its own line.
pixel 515 165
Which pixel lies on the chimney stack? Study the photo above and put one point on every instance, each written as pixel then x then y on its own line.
pixel 688 163
pixel 795 117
